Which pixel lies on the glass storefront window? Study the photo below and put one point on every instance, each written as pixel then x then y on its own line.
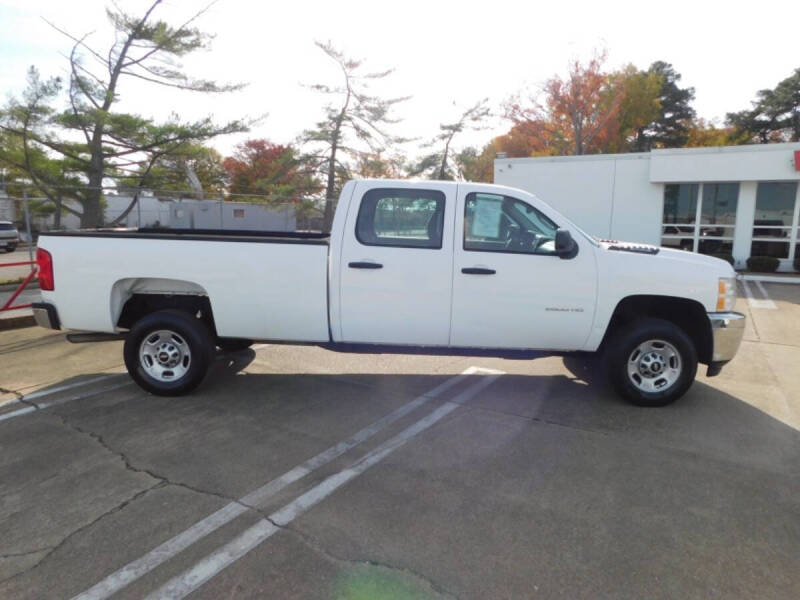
pixel 719 203
pixel 772 222
pixel 775 204
pixel 680 202
pixel 678 243
pixel 776 249
pixel 716 247
pixel 717 217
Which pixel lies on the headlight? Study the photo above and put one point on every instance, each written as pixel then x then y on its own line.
pixel 726 294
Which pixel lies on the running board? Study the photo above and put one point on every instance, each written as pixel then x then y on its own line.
pixel 82 338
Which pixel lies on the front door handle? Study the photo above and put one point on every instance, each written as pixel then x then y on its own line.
pixel 364 265
pixel 477 271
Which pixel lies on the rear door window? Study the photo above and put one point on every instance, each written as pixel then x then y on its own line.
pixel 402 218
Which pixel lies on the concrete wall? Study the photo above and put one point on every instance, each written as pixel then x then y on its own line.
pixel 764 162
pixel 621 196
pixel 607 195
pixel 211 214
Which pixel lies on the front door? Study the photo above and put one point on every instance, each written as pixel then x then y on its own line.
pixel 396 265
pixel 510 289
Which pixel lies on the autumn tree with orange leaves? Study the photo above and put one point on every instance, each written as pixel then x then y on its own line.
pixel 267 170
pixel 577 114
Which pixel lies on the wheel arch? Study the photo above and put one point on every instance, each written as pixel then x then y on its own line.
pixel 689 315
pixel 134 298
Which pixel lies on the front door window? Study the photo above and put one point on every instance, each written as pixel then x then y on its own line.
pixel 494 223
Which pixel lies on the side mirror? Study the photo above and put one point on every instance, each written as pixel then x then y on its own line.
pixel 566 247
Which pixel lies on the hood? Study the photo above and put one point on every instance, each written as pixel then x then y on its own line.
pixel 690 259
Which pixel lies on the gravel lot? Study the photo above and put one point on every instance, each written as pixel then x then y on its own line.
pixel 295 472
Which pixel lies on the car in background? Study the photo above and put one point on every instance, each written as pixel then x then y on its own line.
pixel 9 236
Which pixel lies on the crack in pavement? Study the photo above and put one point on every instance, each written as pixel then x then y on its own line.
pixel 70 535
pixel 160 482
pixel 26 553
pixel 15 393
pixel 162 479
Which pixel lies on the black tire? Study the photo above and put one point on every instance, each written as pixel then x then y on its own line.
pixel 191 332
pixel 233 344
pixel 626 341
pixel 10 249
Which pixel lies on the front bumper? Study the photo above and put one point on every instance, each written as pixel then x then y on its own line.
pixel 46 315
pixel 727 330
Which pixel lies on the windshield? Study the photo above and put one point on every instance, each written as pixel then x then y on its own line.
pixel 6 227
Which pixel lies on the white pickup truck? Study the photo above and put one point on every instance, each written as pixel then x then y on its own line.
pixel 440 267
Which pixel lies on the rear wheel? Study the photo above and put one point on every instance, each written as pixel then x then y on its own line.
pixel 651 362
pixel 168 352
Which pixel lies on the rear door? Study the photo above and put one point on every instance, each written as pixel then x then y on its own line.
pixel 396 264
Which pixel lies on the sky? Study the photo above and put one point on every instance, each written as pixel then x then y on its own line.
pixel 446 54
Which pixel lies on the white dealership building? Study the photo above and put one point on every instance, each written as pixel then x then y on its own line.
pixel 737 200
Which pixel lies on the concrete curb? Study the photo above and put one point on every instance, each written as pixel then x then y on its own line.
pixel 10 323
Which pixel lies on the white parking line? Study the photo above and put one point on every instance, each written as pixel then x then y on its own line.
pixel 763 290
pixel 184 584
pixel 28 409
pixel 50 391
pixel 146 563
pixel 755 302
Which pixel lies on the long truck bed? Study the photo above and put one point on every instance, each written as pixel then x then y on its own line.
pixel 262 285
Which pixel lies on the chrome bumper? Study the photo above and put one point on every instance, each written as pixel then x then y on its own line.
pixel 727 329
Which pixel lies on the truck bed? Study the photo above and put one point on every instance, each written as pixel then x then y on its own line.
pixel 261 284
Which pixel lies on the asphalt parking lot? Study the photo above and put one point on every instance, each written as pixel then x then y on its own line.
pixel 296 472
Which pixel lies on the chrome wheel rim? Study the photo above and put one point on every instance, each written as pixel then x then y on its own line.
pixel 654 366
pixel 165 355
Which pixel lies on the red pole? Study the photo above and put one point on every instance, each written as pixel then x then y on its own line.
pixel 26 281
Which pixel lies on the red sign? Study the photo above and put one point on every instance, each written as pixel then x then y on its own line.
pixel 797 160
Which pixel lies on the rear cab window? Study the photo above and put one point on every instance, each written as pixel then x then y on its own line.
pixel 401 218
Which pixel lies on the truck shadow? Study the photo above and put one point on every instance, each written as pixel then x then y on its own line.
pixel 705 417
pixel 246 408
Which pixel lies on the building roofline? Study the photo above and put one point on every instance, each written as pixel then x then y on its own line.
pixel 581 157
pixel 658 152
pixel 729 149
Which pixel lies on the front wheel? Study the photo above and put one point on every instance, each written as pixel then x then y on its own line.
pixel 168 352
pixel 651 362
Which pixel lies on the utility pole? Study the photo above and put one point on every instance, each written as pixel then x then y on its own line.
pixel 28 226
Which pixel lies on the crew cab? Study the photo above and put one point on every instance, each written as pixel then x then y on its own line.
pixel 437 267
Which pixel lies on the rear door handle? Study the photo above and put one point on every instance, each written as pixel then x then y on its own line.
pixel 477 271
pixel 364 265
